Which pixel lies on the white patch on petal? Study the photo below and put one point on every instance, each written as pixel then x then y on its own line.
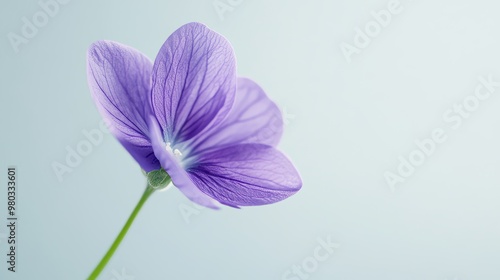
pixel 176 152
pixel 168 147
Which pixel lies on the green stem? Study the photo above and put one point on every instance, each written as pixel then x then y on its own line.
pixel 149 190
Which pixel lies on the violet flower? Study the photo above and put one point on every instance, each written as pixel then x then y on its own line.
pixel 188 118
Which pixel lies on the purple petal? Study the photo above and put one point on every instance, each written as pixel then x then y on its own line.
pixel 246 175
pixel 120 80
pixel 194 80
pixel 254 118
pixel 171 165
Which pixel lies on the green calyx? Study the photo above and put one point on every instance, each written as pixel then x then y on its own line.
pixel 158 179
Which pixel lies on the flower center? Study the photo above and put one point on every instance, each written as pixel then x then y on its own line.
pixel 176 152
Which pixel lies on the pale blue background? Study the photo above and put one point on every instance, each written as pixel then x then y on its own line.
pixel 351 122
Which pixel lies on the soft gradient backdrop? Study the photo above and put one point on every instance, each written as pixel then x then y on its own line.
pixel 347 124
